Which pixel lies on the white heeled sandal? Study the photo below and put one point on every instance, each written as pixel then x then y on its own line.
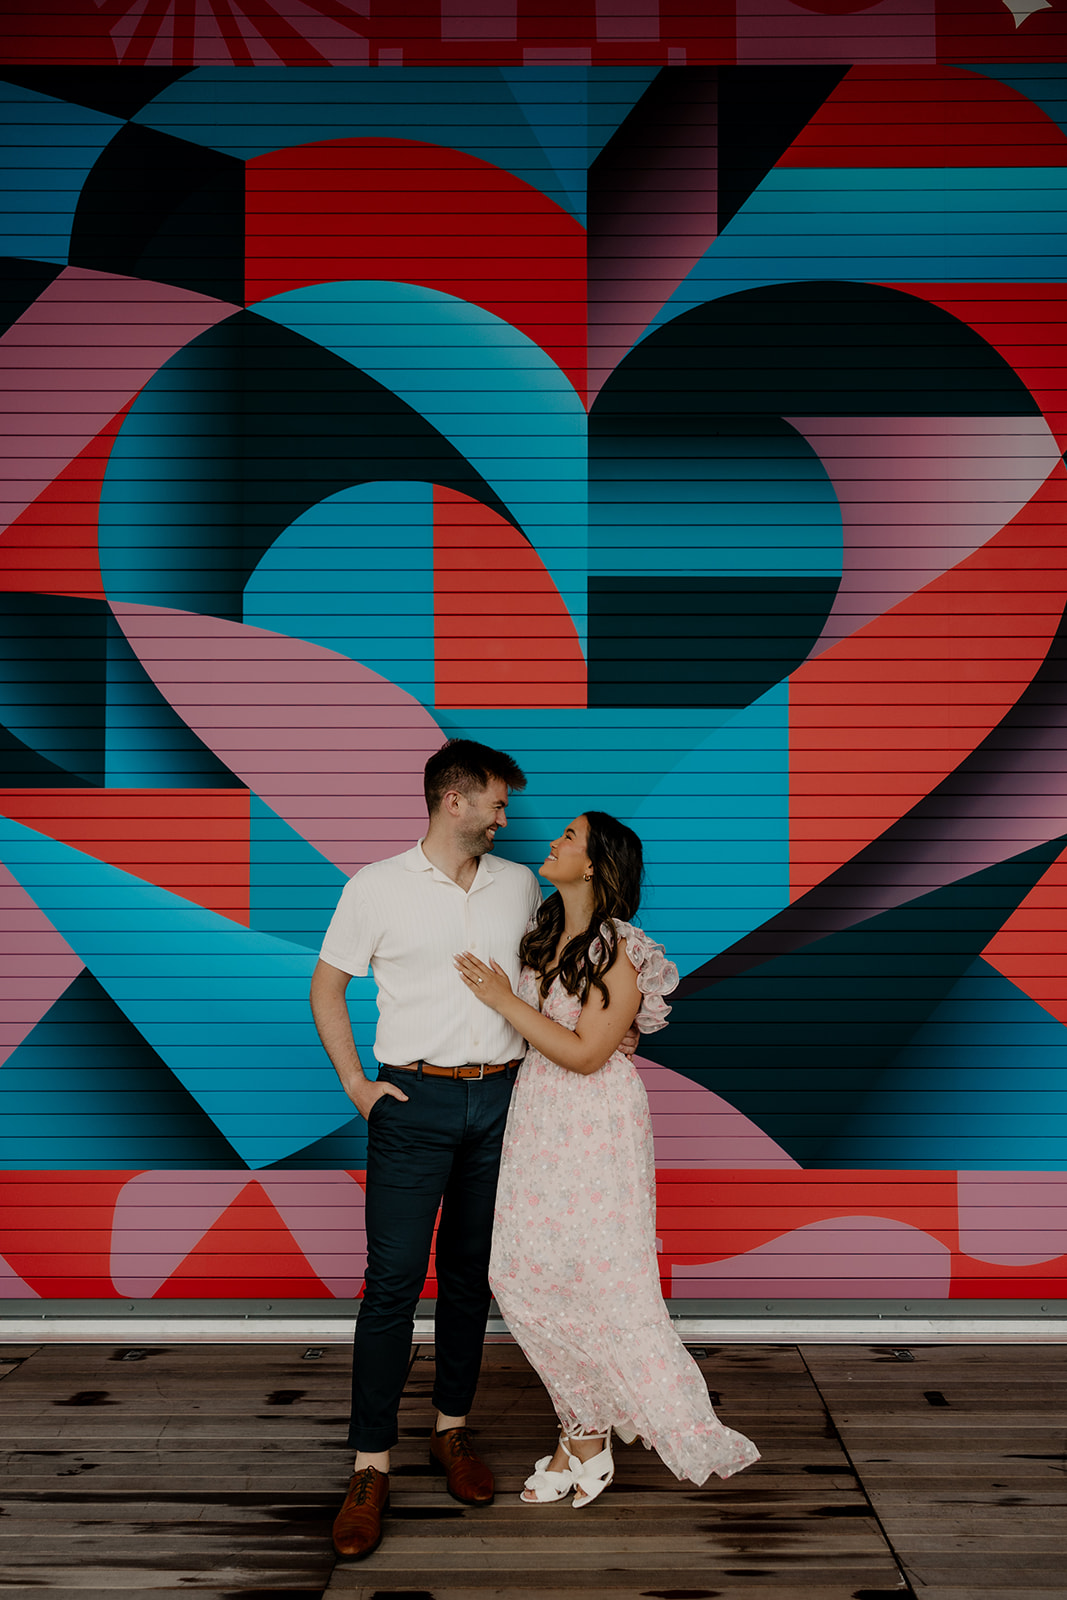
pixel 594 1475
pixel 625 1433
pixel 545 1486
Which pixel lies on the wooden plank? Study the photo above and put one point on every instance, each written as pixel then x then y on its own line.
pixel 962 1454
pixel 230 1464
pixel 348 1581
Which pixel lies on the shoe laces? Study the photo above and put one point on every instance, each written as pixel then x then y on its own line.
pixel 460 1443
pixel 361 1488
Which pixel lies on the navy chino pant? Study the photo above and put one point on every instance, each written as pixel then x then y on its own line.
pixel 440 1148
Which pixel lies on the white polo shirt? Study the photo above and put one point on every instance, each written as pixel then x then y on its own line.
pixel 406 920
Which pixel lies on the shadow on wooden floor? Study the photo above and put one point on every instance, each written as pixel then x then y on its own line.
pixel 217 1470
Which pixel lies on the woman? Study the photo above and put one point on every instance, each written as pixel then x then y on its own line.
pixel 574 1264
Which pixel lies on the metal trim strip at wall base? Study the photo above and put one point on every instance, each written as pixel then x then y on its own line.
pixel 698 1322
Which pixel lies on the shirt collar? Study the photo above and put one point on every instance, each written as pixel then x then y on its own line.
pixel 415 860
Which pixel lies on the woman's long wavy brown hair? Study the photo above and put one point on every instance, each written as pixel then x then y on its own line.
pixel 618 864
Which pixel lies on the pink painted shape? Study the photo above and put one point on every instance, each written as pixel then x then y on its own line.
pixel 36 964
pixel 334 748
pixel 324 1213
pixel 486 21
pixel 12 1287
pixel 917 496
pixel 860 1258
pixel 696 1129
pixel 1013 1219
pixel 161 1216
pixel 627 21
pixel 79 353
pixel 771 32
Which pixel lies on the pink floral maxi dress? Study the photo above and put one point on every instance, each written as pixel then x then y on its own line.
pixel 574 1265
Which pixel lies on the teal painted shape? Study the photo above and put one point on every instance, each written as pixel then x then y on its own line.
pixel 980 1086
pixel 706 789
pixel 493 393
pixel 730 497
pixel 146 743
pixel 355 574
pixel 293 889
pixel 53 146
pixel 700 814
pixel 574 111
pixel 171 503
pixel 342 1151
pixel 225 1007
pixel 84 1091
pixel 248 112
pixel 554 103
pixel 886 225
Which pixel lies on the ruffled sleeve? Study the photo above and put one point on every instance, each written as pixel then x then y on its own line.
pixel 656 976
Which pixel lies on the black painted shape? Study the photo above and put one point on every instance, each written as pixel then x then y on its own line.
pixel 819 348
pixel 644 143
pixel 20 284
pixel 699 641
pixel 248 427
pixel 24 768
pixel 161 208
pixel 798 1043
pixel 53 666
pixel 86 1062
pixel 171 755
pixel 761 112
pixel 117 91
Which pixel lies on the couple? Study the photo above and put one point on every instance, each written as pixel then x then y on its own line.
pixel 469 963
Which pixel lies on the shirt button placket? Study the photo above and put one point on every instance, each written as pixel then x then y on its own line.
pixel 475 1029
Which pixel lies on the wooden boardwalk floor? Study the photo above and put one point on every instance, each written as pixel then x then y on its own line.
pixel 217 1470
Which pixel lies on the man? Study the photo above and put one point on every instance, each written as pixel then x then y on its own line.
pixel 436 1113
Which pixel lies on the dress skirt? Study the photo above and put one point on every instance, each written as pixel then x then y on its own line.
pixel 574 1265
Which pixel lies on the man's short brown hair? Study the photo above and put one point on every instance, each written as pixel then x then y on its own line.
pixel 465 765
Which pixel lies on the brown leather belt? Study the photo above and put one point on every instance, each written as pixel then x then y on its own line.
pixel 477 1069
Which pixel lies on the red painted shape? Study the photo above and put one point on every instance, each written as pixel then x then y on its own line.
pixel 1031 947
pixel 249 1253
pixel 706 1216
pixel 56 33
pixel 1025 322
pixel 407 212
pixel 51 547
pixel 55 1230
pixel 985 30
pixel 883 717
pixel 503 636
pixel 926 117
pixel 977 1280
pixel 192 842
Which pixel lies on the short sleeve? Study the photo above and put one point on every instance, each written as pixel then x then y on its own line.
pixel 656 976
pixel 353 933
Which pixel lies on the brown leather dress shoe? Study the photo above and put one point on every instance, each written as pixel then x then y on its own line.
pixel 358 1529
pixel 469 1479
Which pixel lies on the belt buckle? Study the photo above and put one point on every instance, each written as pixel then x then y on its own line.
pixel 481 1070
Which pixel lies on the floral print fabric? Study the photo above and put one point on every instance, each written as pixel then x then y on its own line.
pixel 574 1265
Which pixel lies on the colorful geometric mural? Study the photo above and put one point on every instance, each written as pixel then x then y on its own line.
pixel 696 433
